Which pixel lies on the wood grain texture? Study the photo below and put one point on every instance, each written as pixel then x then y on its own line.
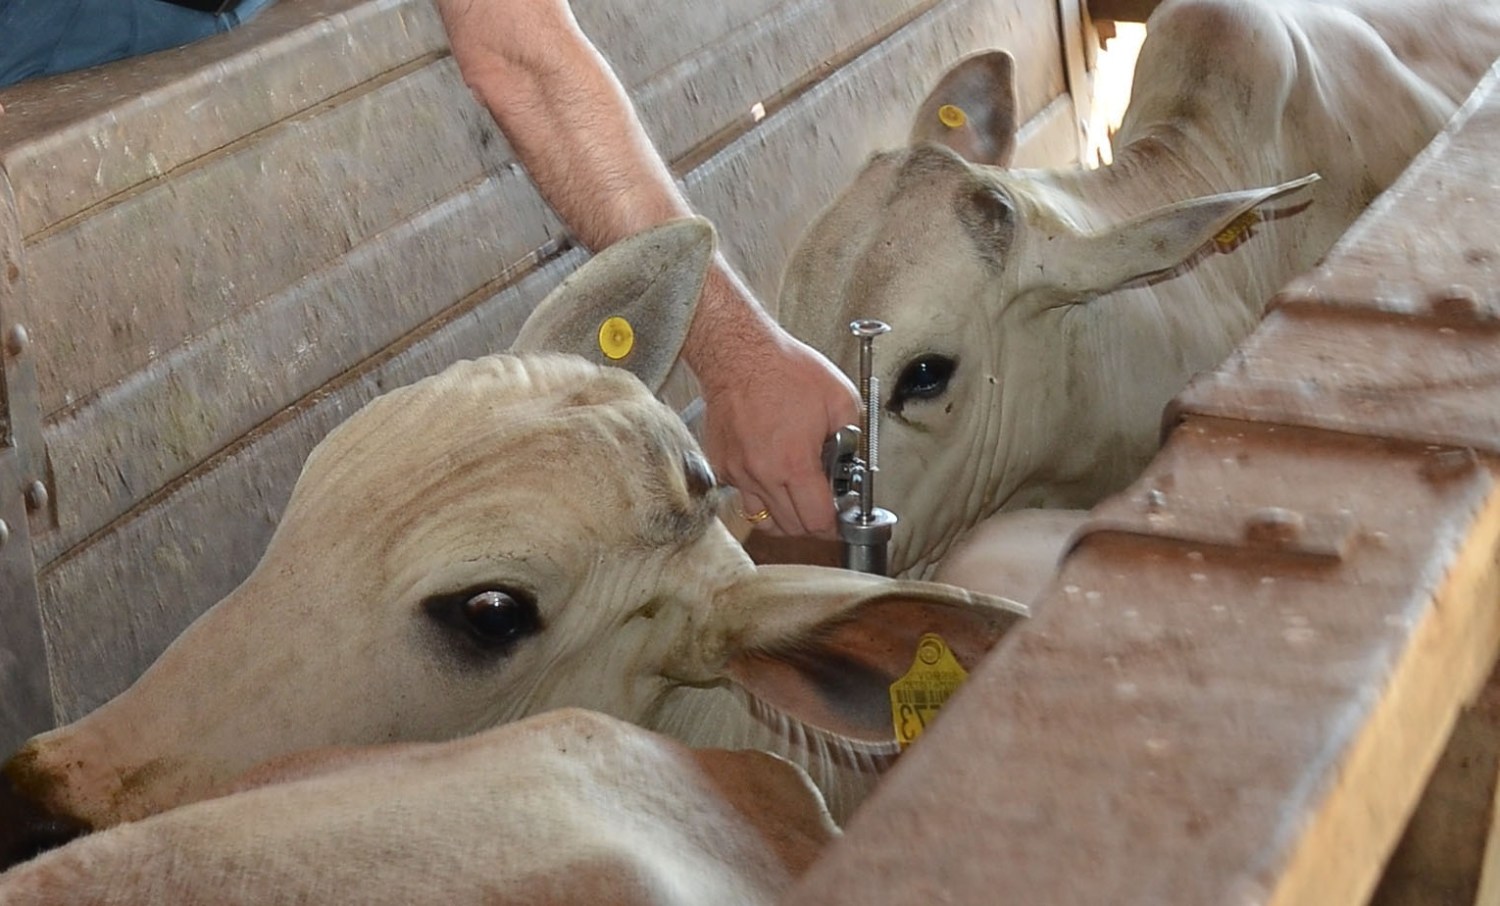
pixel 1441 856
pixel 25 677
pixel 76 140
pixel 192 401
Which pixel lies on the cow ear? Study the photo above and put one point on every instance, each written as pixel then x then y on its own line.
pixel 629 306
pixel 1166 242
pixel 973 110
pixel 824 646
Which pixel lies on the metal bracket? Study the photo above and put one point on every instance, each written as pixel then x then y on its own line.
pixel 25 681
pixel 840 456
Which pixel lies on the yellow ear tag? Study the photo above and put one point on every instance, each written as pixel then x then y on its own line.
pixel 616 338
pixel 1237 233
pixel 952 116
pixel 916 697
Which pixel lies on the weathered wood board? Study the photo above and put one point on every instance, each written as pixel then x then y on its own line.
pixel 229 247
pixel 25 697
pixel 1441 857
pixel 1247 669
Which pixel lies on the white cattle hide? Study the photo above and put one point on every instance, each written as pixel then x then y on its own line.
pixel 1042 319
pixel 566 807
pixel 510 536
pixel 1015 553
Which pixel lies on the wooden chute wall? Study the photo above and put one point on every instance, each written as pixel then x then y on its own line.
pixel 218 253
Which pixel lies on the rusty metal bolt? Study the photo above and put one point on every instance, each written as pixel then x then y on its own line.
pixel 1273 527
pixel 16 339
pixel 36 496
pixel 1446 465
pixel 1457 302
pixel 4 532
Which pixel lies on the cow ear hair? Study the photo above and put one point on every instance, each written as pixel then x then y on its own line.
pixel 629 306
pixel 1166 242
pixel 823 646
pixel 973 110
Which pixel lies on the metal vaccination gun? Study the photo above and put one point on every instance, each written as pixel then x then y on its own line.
pixel 851 461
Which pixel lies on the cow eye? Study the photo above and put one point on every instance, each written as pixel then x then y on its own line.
pixel 925 378
pixel 492 618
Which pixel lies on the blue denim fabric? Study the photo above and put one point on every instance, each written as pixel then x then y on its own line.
pixel 41 37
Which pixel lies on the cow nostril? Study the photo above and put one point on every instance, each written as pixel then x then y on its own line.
pixel 27 829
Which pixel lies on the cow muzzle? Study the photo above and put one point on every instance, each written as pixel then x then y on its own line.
pixel 28 829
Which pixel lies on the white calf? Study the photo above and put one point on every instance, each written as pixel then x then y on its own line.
pixel 1043 318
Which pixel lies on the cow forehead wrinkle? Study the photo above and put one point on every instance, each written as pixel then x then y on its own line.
pixel 599 470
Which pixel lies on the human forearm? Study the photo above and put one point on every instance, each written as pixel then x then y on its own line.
pixel 770 399
pixel 565 114
pixel 549 88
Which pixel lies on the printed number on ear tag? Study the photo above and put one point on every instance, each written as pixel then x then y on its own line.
pixel 616 337
pixel 1237 233
pixel 916 697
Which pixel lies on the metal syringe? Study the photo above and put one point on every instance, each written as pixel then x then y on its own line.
pixel 864 528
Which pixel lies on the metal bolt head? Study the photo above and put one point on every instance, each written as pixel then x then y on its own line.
pixel 17 339
pixel 868 327
pixel 1273 527
pixel 1457 302
pixel 1443 466
pixel 36 496
pixel 4 532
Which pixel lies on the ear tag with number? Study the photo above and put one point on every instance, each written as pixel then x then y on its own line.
pixel 916 697
pixel 1237 233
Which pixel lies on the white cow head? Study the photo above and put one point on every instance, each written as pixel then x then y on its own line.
pixel 512 535
pixel 1003 289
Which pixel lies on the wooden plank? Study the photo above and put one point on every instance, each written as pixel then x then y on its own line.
pixel 117 289
pixel 193 542
pixel 1078 36
pixel 1049 139
pixel 184 406
pixel 1489 879
pixel 1441 856
pixel 25 688
pixel 123 126
pixel 25 682
pixel 73 141
pixel 1199 724
pixel 643 38
pixel 1388 262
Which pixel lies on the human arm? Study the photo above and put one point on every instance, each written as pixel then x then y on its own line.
pixel 770 399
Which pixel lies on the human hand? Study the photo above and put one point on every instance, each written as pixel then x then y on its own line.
pixel 769 408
